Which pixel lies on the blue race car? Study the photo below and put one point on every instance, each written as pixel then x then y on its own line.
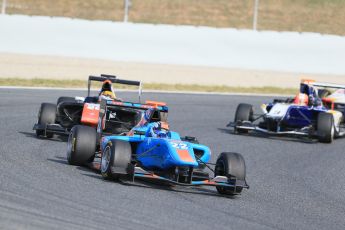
pixel 305 115
pixel 150 150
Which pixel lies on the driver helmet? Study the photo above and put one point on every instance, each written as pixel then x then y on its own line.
pixel 107 90
pixel 160 129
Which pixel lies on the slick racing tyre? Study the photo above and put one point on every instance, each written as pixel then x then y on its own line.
pixel 116 160
pixel 325 127
pixel 81 146
pixel 46 116
pixel 65 99
pixel 230 164
pixel 244 112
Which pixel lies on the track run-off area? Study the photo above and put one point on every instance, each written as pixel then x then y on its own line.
pixel 294 184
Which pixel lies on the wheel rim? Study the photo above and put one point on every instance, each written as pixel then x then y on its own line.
pixel 220 171
pixel 105 159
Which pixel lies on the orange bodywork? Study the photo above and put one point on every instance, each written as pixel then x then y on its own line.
pixel 209 182
pixel 184 155
pixel 329 102
pixel 90 114
pixel 307 81
pixel 155 103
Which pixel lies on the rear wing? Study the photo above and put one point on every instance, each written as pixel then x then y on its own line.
pixel 328 85
pixel 330 101
pixel 113 79
pixel 148 105
pixel 161 106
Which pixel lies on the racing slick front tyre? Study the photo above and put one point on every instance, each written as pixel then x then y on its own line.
pixel 116 160
pixel 325 127
pixel 244 112
pixel 65 99
pixel 230 165
pixel 46 116
pixel 81 145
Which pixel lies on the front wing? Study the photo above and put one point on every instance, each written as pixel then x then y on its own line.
pixel 217 181
pixel 247 125
pixel 52 128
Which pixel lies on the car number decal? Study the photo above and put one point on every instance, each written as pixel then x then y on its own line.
pixel 93 106
pixel 177 145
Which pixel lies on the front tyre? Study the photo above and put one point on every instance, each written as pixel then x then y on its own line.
pixel 325 127
pixel 244 112
pixel 46 116
pixel 230 165
pixel 81 146
pixel 116 160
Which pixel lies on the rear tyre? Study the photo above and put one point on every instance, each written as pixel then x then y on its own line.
pixel 230 164
pixel 46 116
pixel 65 99
pixel 325 127
pixel 244 112
pixel 116 160
pixel 81 146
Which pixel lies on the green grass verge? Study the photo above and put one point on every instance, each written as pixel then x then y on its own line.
pixel 147 86
pixel 325 16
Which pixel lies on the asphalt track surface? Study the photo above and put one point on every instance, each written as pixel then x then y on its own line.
pixel 294 184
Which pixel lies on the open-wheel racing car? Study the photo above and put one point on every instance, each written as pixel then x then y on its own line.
pixel 313 113
pixel 151 151
pixel 59 118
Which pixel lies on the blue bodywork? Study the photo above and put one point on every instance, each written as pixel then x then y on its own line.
pixel 162 153
pixel 159 153
pixel 299 116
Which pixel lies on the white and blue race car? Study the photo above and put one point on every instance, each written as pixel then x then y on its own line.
pixel 315 112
